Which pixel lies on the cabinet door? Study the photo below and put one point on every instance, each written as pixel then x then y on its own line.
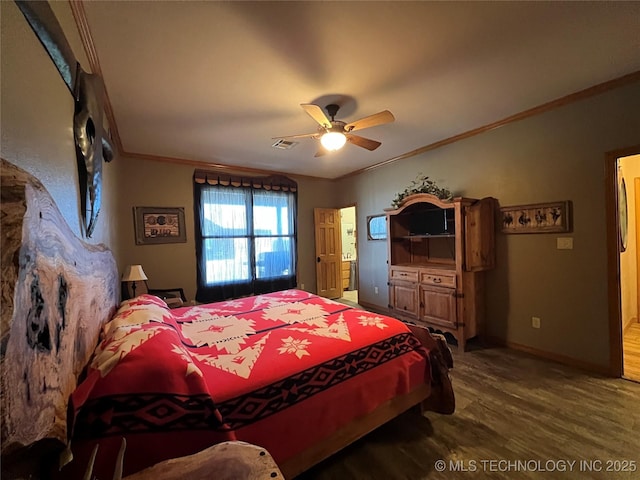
pixel 438 306
pixel 479 236
pixel 404 298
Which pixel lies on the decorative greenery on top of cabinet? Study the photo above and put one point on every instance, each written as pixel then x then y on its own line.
pixel 422 184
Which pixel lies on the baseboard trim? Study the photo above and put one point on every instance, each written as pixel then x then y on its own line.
pixel 572 362
pixel 496 341
pixel 374 308
pixel 628 326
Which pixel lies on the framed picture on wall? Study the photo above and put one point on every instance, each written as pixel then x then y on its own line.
pixel 154 225
pixel 553 217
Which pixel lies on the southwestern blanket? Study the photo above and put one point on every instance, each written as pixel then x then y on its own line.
pixel 281 370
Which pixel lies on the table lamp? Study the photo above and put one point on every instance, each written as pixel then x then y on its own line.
pixel 133 273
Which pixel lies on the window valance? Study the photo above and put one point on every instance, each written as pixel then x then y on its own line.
pixel 271 182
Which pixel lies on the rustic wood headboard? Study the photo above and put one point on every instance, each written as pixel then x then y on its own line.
pixel 57 292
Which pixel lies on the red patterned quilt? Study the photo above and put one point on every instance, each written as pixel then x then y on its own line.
pixel 282 370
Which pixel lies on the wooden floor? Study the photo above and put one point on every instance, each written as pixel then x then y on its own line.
pixel 510 407
pixel 350 295
pixel 631 352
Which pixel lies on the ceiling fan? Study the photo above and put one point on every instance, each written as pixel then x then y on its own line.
pixel 333 134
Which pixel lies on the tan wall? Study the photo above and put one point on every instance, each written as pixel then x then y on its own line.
pixel 157 184
pixel 630 169
pixel 311 194
pixel 558 155
pixel 554 156
pixel 37 119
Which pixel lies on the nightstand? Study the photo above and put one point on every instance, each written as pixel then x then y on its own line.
pixel 173 297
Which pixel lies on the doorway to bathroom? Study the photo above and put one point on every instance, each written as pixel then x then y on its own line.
pixel 348 224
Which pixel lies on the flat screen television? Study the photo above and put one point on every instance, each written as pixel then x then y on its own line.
pixel 433 222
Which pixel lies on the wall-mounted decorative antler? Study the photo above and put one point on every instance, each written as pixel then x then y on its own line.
pixel 92 145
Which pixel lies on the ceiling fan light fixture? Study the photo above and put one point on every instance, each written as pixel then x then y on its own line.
pixel 333 141
pixel 333 134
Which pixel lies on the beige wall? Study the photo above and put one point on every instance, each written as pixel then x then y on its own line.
pixel 37 119
pixel 630 170
pixel 558 155
pixel 156 184
pixel 311 194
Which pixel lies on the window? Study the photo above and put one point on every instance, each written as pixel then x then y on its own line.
pixel 247 240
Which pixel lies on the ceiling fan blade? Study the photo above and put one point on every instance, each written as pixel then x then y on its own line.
pixel 302 135
pixel 315 112
pixel 363 142
pixel 379 118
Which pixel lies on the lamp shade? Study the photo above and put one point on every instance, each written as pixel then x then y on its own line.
pixel 133 273
pixel 333 140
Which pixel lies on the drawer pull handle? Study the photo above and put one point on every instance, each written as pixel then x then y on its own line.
pixel 437 280
pixel 403 274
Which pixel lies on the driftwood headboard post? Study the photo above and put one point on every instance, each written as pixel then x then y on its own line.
pixel 57 292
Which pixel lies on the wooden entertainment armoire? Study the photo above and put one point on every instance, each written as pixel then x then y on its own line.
pixel 438 251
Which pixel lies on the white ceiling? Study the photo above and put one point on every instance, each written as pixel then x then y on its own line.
pixel 215 81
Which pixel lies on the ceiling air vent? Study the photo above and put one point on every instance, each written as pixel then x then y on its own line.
pixel 283 144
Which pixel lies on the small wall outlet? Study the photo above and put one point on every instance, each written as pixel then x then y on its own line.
pixel 302 286
pixel 535 322
pixel 375 290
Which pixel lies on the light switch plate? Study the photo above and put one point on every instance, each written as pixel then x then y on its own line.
pixel 564 243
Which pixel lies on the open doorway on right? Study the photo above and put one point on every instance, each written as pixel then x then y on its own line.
pixel 628 173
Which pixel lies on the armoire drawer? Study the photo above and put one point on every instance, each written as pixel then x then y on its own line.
pixel 441 279
pixel 404 274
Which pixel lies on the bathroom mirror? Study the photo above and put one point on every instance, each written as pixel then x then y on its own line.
pixel 376 227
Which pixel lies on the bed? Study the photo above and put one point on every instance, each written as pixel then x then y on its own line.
pixel 284 371
pixel 299 375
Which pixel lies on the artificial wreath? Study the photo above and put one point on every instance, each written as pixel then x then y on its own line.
pixel 422 184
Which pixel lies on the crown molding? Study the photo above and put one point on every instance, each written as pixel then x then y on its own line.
pixel 545 107
pixel 79 15
pixel 204 165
